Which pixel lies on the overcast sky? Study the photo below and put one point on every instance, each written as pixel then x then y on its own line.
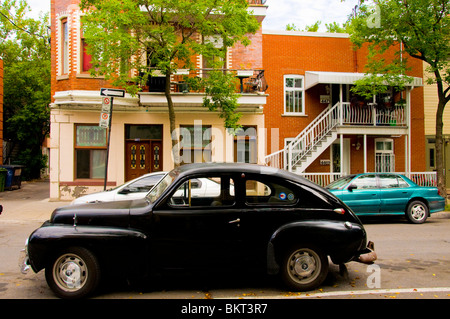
pixel 280 12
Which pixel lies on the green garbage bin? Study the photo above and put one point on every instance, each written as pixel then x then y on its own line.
pixel 3 173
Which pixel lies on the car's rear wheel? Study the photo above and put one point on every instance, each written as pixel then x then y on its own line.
pixel 417 212
pixel 304 267
pixel 73 273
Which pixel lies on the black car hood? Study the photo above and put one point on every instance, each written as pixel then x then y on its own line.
pixel 116 214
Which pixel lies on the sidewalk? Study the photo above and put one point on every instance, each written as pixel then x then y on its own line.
pixel 29 203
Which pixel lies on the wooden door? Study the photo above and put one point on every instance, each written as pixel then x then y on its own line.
pixel 137 159
pixel 156 156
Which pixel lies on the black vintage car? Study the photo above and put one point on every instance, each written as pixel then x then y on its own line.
pixel 250 217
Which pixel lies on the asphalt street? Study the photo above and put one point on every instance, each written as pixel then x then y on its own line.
pixel 413 261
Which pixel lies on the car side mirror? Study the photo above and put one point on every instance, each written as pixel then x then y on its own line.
pixel 351 187
pixel 125 191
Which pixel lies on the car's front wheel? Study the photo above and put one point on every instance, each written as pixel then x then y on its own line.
pixel 73 273
pixel 417 212
pixel 304 267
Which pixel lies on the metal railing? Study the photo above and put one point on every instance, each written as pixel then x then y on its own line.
pixel 340 114
pixel 420 178
pixel 185 81
pixel 370 114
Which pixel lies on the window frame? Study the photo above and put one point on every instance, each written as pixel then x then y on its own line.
pixel 65 44
pixel 384 153
pixel 89 148
pixel 200 181
pixel 195 148
pixel 294 89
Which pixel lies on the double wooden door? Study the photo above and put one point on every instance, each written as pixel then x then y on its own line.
pixel 142 157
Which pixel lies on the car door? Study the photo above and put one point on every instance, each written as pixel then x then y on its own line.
pixel 394 194
pixel 201 232
pixel 268 204
pixel 362 195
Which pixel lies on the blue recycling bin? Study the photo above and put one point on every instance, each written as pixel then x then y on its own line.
pixel 13 176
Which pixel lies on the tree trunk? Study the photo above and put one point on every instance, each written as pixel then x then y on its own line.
pixel 440 167
pixel 172 126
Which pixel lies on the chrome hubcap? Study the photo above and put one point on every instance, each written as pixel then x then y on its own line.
pixel 418 212
pixel 304 265
pixel 70 272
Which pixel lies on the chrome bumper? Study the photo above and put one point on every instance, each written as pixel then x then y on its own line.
pixel 24 265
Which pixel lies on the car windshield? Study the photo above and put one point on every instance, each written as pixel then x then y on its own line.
pixel 341 182
pixel 159 188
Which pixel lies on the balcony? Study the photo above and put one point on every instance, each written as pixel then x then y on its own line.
pixel 187 91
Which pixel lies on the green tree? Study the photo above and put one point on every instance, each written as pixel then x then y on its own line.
pixel 25 51
pixel 127 36
pixel 422 27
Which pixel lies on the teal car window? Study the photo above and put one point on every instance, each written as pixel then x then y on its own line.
pixel 365 182
pixel 388 181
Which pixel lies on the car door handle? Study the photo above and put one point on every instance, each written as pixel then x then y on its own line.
pixel 234 221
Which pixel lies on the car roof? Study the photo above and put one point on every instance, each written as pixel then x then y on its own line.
pixel 202 168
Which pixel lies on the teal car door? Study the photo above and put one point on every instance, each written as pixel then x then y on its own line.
pixel 395 194
pixel 362 195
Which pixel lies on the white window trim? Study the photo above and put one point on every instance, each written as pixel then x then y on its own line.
pixel 385 152
pixel 294 76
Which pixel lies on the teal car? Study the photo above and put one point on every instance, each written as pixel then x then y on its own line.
pixel 372 194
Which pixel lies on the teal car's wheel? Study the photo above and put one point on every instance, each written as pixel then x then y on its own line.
pixel 417 212
pixel 304 268
pixel 74 273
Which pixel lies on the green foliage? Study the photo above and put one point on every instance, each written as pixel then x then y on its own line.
pixel 130 39
pixel 25 51
pixel 413 28
pixel 419 29
pixel 220 88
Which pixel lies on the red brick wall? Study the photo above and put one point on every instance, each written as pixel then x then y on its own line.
pixel 295 54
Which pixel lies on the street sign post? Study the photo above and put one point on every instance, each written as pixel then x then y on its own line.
pixel 106 118
pixel 112 92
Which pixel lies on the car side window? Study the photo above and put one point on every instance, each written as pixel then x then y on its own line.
pixel 144 184
pixel 402 183
pixel 204 192
pixel 258 193
pixel 365 182
pixel 388 181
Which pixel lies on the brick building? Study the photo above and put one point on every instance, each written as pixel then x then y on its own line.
pixel 140 137
pixel 308 121
pixel 323 126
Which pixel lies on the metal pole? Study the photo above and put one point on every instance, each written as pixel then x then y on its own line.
pixel 109 139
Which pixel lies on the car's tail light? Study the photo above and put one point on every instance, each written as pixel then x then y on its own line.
pixel 340 211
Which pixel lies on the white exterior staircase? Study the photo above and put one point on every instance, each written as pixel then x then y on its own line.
pixel 309 144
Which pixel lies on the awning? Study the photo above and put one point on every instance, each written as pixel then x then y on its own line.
pixel 313 78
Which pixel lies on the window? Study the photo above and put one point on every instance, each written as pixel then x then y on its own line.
pixel 365 182
pixel 294 102
pixel 85 57
pixel 65 46
pixel 195 141
pixel 204 192
pixel 384 155
pixel 90 151
pixel 391 181
pixel 144 184
pixel 245 145
pixel 257 192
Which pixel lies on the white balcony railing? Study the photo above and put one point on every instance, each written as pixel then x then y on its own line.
pixel 338 115
pixel 420 178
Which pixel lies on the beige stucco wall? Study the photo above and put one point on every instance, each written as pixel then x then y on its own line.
pixel 62 153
